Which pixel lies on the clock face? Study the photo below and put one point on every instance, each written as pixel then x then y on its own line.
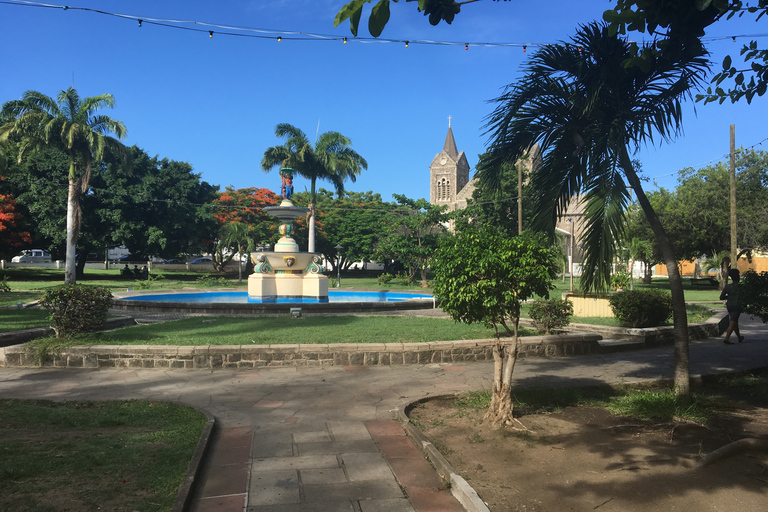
pixel 443 160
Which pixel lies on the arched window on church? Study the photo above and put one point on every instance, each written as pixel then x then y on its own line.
pixel 447 187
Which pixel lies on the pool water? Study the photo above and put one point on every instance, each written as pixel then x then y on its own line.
pixel 242 297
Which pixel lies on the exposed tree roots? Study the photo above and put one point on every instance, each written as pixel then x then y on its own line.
pixel 732 449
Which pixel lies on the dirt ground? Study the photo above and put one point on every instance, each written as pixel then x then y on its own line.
pixel 585 459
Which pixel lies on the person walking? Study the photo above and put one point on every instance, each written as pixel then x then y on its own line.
pixel 729 295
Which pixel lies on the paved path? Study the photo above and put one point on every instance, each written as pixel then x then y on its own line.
pixel 325 439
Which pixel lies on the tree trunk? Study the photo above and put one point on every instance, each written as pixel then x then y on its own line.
pixel 648 276
pixel 70 272
pixel 311 241
pixel 500 412
pixel 679 314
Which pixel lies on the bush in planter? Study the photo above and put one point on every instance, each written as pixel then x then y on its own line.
pixel 75 309
pixel 641 308
pixel 548 314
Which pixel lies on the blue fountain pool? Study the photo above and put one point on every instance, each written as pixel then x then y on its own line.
pixel 242 297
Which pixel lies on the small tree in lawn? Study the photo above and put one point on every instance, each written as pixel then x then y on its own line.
pixel 482 276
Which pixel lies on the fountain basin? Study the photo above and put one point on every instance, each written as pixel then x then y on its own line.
pixel 216 302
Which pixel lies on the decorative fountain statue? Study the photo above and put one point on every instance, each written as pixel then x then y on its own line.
pixel 286 274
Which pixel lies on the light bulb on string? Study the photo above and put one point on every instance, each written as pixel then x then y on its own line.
pixel 210 34
pixel 525 48
pixel 279 39
pixel 466 46
pixel 406 44
pixel 345 40
pixel 140 23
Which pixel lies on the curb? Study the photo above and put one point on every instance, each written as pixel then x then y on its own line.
pixel 188 484
pixel 460 489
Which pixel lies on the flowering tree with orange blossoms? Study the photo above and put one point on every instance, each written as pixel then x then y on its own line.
pixel 10 236
pixel 245 206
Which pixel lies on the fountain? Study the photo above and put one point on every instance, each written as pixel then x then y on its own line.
pixel 286 272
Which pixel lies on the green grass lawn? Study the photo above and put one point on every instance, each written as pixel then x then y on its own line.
pixel 12 319
pixel 286 330
pixel 27 283
pixel 94 455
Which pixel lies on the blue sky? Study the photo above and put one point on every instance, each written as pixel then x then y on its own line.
pixel 214 102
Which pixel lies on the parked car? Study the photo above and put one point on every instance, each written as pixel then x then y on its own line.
pixel 32 256
pixel 91 256
pixel 204 259
pixel 131 258
pixel 174 261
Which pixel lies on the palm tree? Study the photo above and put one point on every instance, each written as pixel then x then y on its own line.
pixel 331 159
pixel 587 110
pixel 72 125
pixel 239 236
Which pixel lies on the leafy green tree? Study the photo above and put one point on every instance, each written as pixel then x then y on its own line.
pixel 39 185
pixel 498 205
pixel 238 238
pixel 331 158
pixel 699 208
pixel 678 27
pixel 73 125
pixel 587 112
pixel 158 207
pixel 483 276
pixel 352 220
pixel 753 294
pixel 411 234
pixel 436 10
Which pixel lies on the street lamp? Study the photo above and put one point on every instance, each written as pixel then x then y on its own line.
pixel 338 265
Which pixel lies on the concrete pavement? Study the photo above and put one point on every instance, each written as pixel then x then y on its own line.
pixel 316 439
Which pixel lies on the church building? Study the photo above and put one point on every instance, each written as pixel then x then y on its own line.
pixel 449 176
pixel 451 186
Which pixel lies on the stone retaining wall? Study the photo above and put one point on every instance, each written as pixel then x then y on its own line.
pixel 254 356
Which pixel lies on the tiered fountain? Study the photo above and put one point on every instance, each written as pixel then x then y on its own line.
pixel 286 274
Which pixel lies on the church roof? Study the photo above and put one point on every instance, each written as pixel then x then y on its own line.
pixel 450 145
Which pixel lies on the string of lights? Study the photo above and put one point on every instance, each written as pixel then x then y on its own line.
pixel 291 35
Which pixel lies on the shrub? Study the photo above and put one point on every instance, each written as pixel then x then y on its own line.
pixel 620 280
pixel 4 286
pixel 404 279
pixel 385 278
pixel 548 314
pixel 75 309
pixel 752 294
pixel 641 308
pixel 210 281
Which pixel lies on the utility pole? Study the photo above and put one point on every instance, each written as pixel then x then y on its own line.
pixel 734 247
pixel 519 199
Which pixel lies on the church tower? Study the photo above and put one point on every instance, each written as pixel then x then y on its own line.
pixel 449 176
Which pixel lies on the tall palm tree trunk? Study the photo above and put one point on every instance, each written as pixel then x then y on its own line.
pixel 679 315
pixel 312 200
pixel 311 242
pixel 70 270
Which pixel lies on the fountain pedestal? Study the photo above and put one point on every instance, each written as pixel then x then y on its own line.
pixel 287 273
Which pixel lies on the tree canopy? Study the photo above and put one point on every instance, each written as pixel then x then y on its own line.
pixel 483 275
pixel 73 125
pixel 678 27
